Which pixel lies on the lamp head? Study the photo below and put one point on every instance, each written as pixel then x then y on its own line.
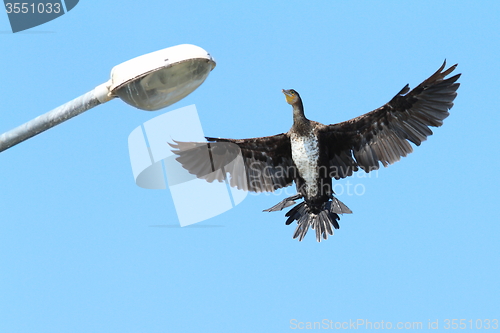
pixel 159 79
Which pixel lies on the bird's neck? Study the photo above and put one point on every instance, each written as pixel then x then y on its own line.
pixel 299 119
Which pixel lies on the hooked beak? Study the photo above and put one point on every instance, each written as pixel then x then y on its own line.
pixel 286 92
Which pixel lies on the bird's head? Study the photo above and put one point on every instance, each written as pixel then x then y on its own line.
pixel 291 96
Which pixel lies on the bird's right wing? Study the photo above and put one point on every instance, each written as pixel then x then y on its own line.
pixel 259 164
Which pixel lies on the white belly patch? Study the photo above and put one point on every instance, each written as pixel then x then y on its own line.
pixel 305 154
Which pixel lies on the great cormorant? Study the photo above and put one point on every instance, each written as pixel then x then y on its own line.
pixel 311 154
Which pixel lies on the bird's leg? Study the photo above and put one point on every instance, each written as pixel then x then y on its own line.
pixel 284 203
pixel 338 206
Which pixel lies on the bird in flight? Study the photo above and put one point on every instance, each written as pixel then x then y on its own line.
pixel 311 154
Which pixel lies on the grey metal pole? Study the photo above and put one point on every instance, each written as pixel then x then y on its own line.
pixel 52 118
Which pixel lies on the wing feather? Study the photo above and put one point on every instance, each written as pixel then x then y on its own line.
pixel 258 164
pixel 383 135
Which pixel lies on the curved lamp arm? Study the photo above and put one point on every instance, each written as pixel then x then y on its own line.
pixel 54 117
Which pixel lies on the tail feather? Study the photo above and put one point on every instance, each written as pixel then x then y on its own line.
pixel 303 222
pixel 294 213
pixel 323 222
pixel 323 215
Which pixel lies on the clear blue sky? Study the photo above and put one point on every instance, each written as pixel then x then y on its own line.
pixel 82 248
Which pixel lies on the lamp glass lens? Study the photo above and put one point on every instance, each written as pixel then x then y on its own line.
pixel 165 86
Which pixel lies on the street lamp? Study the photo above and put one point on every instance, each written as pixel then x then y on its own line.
pixel 149 82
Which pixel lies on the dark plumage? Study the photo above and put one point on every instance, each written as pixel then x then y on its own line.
pixel 311 154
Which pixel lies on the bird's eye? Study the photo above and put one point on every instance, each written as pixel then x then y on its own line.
pixel 292 92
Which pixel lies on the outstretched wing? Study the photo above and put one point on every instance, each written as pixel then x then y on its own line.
pixel 258 164
pixel 383 135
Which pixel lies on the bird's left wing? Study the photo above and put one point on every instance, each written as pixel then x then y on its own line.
pixel 259 164
pixel 383 135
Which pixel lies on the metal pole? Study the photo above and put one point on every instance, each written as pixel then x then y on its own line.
pixel 52 118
